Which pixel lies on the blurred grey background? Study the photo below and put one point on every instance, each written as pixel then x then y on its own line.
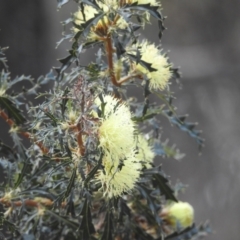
pixel 203 37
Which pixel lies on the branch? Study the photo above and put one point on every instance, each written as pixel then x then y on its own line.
pixel 129 77
pixel 27 135
pixel 109 51
pixel 80 140
pixel 36 202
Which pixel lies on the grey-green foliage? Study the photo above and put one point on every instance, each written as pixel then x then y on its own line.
pixel 49 190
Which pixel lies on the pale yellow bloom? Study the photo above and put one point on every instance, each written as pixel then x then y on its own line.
pixel 118 178
pixel 179 215
pixel 145 152
pixel 151 54
pixel 89 11
pixel 117 141
pixel 104 25
pixel 108 5
pixel 116 132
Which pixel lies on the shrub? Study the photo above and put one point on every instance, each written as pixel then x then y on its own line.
pixel 89 170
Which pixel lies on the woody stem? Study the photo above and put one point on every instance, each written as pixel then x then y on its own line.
pixel 27 135
pixel 29 203
pixel 109 50
pixel 79 139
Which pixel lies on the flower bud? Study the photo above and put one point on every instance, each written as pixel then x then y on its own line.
pixel 178 215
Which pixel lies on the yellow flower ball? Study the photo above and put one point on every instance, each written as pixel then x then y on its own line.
pixel 179 215
pixel 119 177
pixel 104 25
pixel 116 131
pixel 152 55
pixel 121 167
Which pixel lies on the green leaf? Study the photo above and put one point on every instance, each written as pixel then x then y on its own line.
pixel 12 110
pixel 188 127
pixel 108 226
pixel 71 182
pixel 93 171
pixel 167 100
pixel 141 62
pixel 24 171
pixel 118 45
pixel 162 149
pixel 153 10
pixel 85 28
pixel 86 226
pixel 147 194
pixel 63 219
pixel 3 59
pixel 65 37
pixel 64 101
pixel 62 2
pixel 6 150
pixel 50 115
pixel 190 233
pixel 66 62
pixel 163 184
pixel 92 3
pixel 160 182
pixel 123 210
pixel 70 207
pixel 152 112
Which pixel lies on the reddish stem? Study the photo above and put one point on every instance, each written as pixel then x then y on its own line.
pixel 125 79
pixel 80 140
pixel 109 50
pixel 29 203
pixel 27 135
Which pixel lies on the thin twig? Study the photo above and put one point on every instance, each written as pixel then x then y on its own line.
pixel 27 135
pixel 129 77
pixel 80 140
pixel 30 202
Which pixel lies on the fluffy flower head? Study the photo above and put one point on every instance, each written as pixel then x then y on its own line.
pixel 116 132
pixel 119 177
pixel 104 25
pixel 116 139
pixel 179 215
pixel 151 54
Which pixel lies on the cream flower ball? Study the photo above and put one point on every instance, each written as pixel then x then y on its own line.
pixel 104 25
pixel 89 11
pixel 116 130
pixel 152 55
pixel 119 177
pixel 179 215
pixel 116 133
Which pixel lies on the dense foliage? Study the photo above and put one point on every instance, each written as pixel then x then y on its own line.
pixel 89 170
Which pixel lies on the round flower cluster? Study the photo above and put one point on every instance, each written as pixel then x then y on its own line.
pixel 178 215
pixel 124 157
pixel 104 26
pixel 161 74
